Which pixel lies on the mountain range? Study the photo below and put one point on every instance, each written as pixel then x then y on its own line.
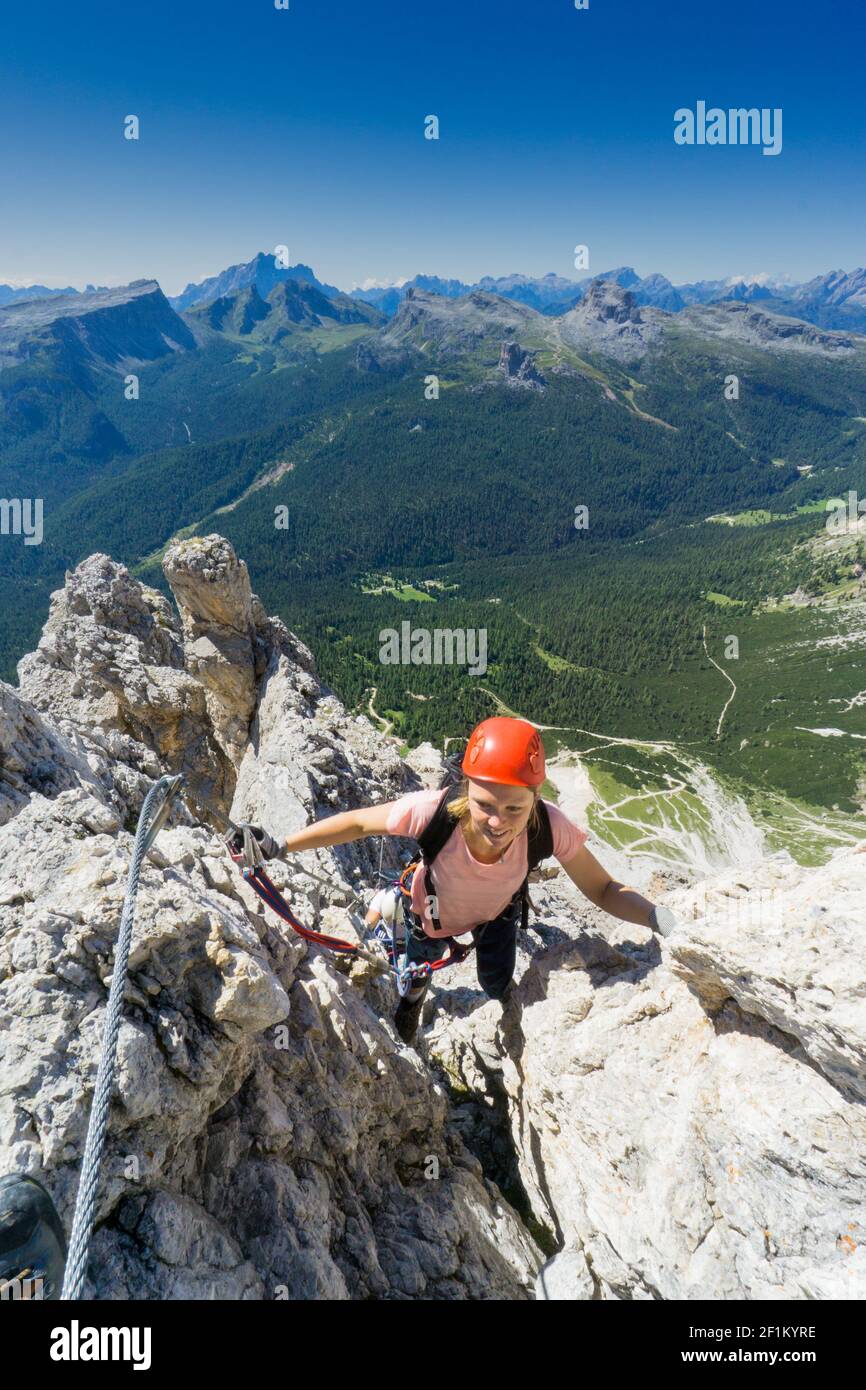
pixel 608 320
pixel 289 305
pixel 64 419
pixel 10 294
pixel 836 299
pixel 135 421
pixel 262 272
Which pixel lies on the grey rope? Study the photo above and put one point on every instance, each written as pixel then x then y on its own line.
pixel 149 824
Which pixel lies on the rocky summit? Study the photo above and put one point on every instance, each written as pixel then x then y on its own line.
pixel 608 319
pixel 643 1118
pixel 519 367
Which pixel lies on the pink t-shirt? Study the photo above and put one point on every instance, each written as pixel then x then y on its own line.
pixel 468 891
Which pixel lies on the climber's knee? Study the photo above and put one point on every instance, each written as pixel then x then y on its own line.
pixel 497 990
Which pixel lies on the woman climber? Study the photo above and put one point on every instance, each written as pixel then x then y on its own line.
pixel 475 880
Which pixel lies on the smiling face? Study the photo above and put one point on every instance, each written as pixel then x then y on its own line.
pixel 499 812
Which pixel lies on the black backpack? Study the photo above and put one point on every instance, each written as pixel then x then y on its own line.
pixel 442 825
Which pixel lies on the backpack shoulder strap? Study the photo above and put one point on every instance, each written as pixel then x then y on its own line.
pixel 540 840
pixel 539 846
pixel 441 826
pixel 438 829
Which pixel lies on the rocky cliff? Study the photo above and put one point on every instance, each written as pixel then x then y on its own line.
pixel 110 329
pixel 668 1120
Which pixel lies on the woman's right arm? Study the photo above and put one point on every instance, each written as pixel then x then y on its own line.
pixel 341 829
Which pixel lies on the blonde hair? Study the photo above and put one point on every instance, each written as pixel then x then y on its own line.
pixel 458 809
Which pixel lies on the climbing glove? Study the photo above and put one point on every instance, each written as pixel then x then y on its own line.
pixel 270 848
pixel 662 920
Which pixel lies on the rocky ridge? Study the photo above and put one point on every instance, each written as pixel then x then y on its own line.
pixel 107 329
pixel 270 1136
pixel 610 319
pixel 658 1119
pixel 740 321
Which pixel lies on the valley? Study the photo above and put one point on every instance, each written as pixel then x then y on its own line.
pixel 699 641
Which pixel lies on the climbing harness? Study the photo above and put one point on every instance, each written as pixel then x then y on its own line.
pixel 388 953
pixel 409 972
pixel 431 841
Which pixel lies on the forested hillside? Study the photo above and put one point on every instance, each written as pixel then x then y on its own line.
pixel 564 512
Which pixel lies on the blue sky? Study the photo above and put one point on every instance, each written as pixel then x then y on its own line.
pixel 305 127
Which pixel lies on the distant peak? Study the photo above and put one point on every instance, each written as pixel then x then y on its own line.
pixel 610 300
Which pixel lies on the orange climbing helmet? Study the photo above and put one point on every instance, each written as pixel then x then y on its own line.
pixel 505 750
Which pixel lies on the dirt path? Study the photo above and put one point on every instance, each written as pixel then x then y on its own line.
pixel 727 678
pixel 386 725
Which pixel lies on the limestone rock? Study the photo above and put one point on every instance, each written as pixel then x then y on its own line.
pixel 224 633
pixel 269 1135
pixel 35 757
pixel 109 670
pixel 787 949
pixel 518 366
pixel 428 763
pixel 672 1119
pixel 608 319
pixel 686 1115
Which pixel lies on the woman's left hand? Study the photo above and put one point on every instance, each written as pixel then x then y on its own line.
pixel 663 921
